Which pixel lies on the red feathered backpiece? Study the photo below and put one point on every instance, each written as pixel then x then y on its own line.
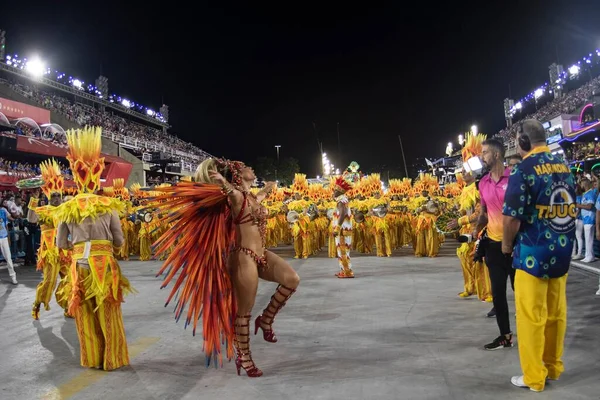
pixel 342 184
pixel 200 240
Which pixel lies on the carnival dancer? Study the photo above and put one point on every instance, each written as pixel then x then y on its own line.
pixel 342 228
pixel 98 286
pixel 476 277
pixel 475 274
pixel 52 261
pixel 215 215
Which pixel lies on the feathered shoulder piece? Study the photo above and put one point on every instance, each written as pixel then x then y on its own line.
pixel 201 237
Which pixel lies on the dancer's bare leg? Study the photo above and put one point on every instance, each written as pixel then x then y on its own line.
pixel 244 276
pixel 281 272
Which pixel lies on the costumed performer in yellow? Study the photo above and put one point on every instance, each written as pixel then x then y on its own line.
pixel 51 260
pixel 98 286
pixel 426 236
pixel 219 237
pixel 342 227
pixel 475 274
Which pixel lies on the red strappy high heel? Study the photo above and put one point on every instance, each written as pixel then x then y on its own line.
pixel 270 312
pixel 244 355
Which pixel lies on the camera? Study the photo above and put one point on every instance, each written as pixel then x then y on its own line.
pixel 465 238
pixel 480 246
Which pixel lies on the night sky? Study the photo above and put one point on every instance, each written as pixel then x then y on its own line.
pixel 240 80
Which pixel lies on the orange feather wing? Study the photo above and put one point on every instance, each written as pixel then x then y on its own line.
pixel 199 241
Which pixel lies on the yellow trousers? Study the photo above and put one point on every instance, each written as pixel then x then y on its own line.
pixel 331 249
pixel 541 308
pixel 95 302
pixel 301 246
pixel 383 243
pixel 483 285
pixel 101 332
pixel 465 255
pixel 427 243
pixel 145 248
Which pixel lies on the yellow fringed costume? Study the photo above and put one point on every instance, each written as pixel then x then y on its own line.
pixel 476 275
pixel 98 286
pixel 426 239
pixel 52 261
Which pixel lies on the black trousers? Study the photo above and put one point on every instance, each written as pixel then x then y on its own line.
pixel 500 268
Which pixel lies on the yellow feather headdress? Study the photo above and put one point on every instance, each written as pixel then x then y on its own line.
pixel 120 189
pixel 54 182
pixel 473 146
pixel 87 165
pixel 300 184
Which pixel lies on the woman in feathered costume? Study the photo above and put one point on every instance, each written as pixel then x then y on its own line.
pixel 220 250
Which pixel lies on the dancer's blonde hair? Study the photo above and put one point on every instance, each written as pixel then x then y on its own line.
pixel 202 174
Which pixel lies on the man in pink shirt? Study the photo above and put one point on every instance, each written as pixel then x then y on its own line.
pixel 492 188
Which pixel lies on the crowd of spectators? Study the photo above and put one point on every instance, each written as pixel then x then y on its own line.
pixel 566 104
pixel 144 138
pixel 24 170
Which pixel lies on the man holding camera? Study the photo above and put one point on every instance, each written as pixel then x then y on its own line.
pixel 539 230
pixel 492 188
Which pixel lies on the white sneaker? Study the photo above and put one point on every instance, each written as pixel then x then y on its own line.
pixel 577 257
pixel 598 292
pixel 518 382
pixel 588 260
pixel 14 280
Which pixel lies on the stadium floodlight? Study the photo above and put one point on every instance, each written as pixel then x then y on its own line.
pixel 474 129
pixel 150 112
pixel 519 105
pixel 126 103
pixel 538 93
pixel 35 67
pixel 574 70
pixel 461 139
pixel 77 84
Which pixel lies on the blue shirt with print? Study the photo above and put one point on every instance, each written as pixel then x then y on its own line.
pixel 3 223
pixel 589 216
pixel 541 194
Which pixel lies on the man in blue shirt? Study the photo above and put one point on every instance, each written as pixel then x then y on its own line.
pixel 539 230
pixel 588 215
pixel 4 246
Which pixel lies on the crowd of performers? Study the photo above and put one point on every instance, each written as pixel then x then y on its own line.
pixel 213 233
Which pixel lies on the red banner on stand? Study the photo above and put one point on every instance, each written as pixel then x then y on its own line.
pixel 14 110
pixel 35 145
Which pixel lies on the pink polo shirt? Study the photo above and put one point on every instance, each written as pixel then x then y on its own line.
pixel 492 197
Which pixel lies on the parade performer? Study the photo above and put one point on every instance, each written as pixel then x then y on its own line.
pixel 98 286
pixel 51 260
pixel 475 274
pixel 122 194
pixel 426 238
pixel 342 228
pixel 215 216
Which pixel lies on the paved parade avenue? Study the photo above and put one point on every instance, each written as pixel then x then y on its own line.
pixel 397 331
